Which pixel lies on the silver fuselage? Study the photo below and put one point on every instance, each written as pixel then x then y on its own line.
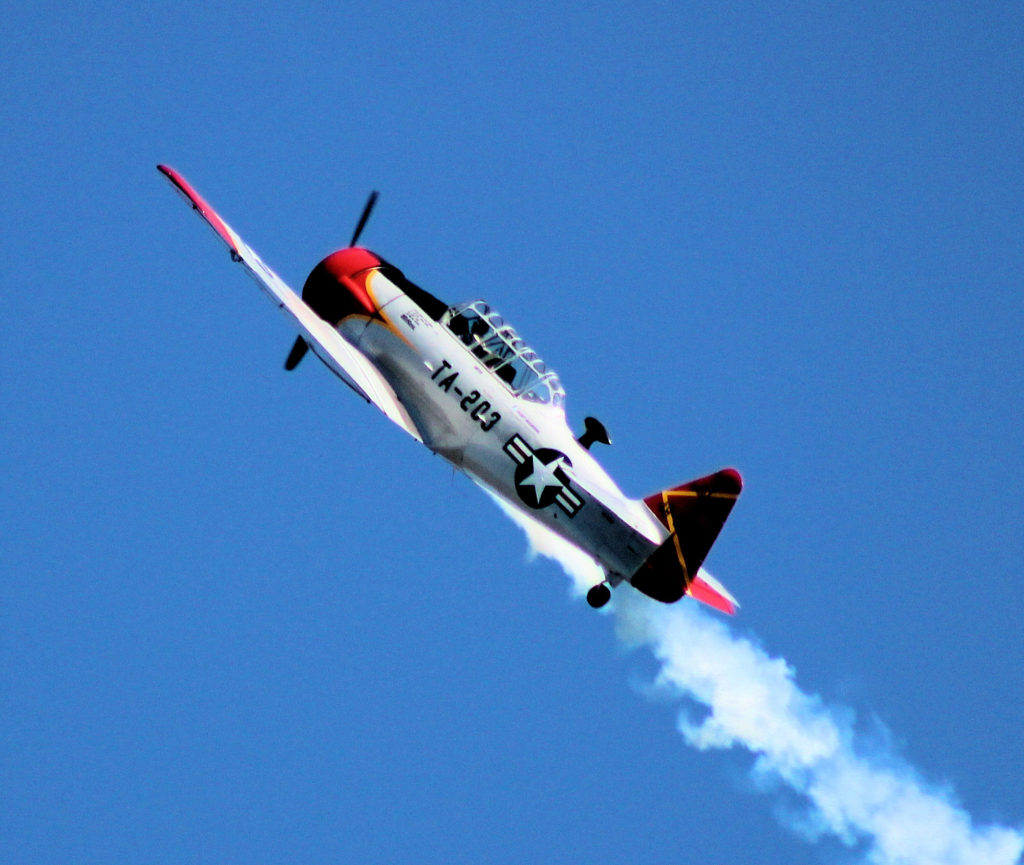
pixel 522 451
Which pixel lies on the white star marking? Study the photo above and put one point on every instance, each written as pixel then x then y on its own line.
pixel 542 477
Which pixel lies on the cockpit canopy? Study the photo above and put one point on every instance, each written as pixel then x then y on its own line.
pixel 496 343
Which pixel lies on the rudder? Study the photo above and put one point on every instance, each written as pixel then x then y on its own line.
pixel 694 514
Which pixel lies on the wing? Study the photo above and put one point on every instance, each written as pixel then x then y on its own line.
pixel 340 356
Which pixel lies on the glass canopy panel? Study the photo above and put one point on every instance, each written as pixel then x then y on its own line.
pixel 501 349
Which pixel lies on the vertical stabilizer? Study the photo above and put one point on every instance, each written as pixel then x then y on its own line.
pixel 694 514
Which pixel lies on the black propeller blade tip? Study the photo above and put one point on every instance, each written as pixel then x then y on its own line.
pixel 297 353
pixel 370 202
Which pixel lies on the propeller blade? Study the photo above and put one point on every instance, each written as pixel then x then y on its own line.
pixel 297 353
pixel 372 200
pixel 300 347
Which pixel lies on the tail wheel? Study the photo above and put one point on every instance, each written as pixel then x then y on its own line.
pixel 599 595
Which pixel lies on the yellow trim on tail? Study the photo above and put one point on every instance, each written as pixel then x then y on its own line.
pixel 675 537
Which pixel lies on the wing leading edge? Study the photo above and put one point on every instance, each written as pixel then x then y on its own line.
pixel 340 356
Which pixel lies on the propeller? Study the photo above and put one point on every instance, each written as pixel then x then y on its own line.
pixel 300 346
pixel 372 200
pixel 297 353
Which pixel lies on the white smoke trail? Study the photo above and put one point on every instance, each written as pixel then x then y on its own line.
pixel 859 794
pixel 583 570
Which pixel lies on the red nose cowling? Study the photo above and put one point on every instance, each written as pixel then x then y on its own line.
pixel 336 287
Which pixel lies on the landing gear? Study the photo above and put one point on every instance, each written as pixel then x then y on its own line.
pixel 599 595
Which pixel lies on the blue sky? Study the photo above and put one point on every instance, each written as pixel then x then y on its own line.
pixel 245 619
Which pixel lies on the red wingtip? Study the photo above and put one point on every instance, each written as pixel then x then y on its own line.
pixel 199 203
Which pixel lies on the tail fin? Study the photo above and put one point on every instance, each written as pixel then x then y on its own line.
pixel 694 513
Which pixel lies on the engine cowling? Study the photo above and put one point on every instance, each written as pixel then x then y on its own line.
pixel 337 287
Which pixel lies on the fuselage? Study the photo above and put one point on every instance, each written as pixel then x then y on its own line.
pixel 462 381
pixel 483 400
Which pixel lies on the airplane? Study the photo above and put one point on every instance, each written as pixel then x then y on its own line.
pixel 463 382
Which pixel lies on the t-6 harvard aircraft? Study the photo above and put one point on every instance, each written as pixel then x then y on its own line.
pixel 460 380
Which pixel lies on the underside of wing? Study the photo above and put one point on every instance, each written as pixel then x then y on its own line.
pixel 340 356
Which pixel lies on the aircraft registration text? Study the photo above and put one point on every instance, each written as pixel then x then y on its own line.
pixel 472 403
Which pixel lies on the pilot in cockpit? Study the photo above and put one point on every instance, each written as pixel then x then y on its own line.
pixel 468 328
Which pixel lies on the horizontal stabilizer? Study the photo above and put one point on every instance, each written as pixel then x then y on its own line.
pixel 694 514
pixel 706 589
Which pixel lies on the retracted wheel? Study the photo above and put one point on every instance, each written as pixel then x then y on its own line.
pixel 599 595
